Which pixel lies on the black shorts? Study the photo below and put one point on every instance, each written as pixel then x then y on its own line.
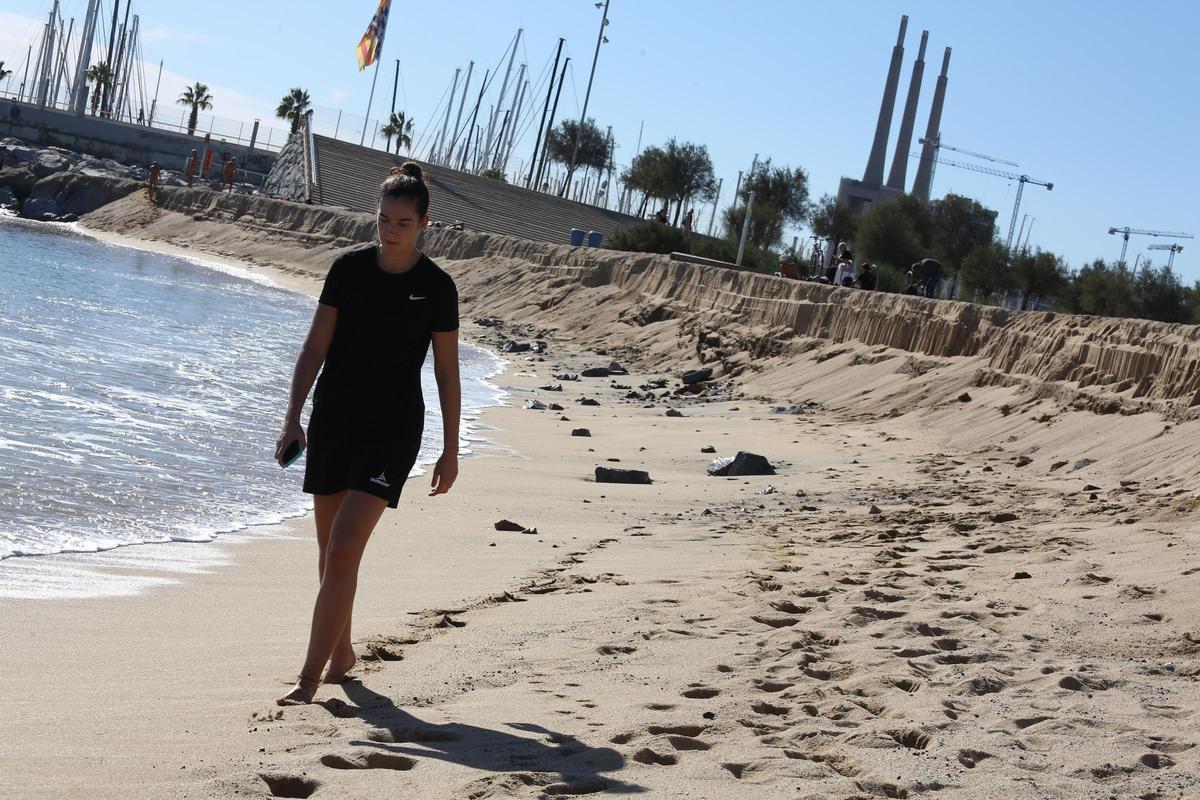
pixel 367 453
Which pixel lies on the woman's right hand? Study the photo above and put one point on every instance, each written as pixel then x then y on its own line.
pixel 292 431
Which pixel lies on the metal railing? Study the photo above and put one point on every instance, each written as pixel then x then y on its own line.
pixel 175 119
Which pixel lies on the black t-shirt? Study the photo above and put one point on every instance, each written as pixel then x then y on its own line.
pixel 384 326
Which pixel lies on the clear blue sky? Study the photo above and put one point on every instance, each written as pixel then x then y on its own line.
pixel 1102 97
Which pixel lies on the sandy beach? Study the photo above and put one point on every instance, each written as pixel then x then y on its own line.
pixel 968 578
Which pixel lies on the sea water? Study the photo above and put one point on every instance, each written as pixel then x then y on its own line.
pixel 141 395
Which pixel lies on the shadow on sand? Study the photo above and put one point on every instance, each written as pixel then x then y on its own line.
pixel 556 763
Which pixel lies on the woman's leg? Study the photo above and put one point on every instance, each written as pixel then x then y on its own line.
pixel 325 508
pixel 351 529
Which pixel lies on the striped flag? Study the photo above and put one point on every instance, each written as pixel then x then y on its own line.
pixel 372 41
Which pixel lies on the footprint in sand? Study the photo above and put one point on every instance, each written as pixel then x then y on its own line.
pixel 371 760
pixel 289 785
pixel 648 756
pixel 691 731
pixel 769 709
pixel 1084 684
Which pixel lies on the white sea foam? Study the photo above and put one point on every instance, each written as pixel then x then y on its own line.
pixel 141 397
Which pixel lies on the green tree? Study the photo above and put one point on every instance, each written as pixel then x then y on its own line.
pixel 99 75
pixel 960 224
pixel 400 127
pixel 1161 295
pixel 198 98
pixel 676 174
pixel 984 272
pixel 593 147
pixel 896 232
pixel 646 175
pixel 1040 274
pixel 4 73
pixel 833 223
pixel 780 199
pixel 1102 290
pixel 495 173
pixel 294 105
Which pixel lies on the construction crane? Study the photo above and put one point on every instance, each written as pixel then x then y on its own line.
pixel 1174 248
pixel 1126 232
pixel 1012 176
pixel 938 144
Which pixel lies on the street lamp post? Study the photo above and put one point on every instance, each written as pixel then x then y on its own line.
pixel 587 95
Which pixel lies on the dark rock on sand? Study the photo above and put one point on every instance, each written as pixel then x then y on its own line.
pixel 554 407
pixel 581 432
pixel 743 463
pixel 587 401
pixel 551 387
pixel 595 372
pixel 674 412
pixel 1003 516
pixel 697 375
pixel 509 525
pixel 708 448
pixel 535 405
pixel 515 347
pixel 615 475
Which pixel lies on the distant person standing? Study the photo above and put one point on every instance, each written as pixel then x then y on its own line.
pixel 687 222
pixel 192 164
pixel 661 215
pixel 229 174
pixel 152 177
pixel 930 276
pixel 844 274
pixel 208 159
pixel 867 279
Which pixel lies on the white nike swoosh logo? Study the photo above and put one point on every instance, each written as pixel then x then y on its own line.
pixel 414 297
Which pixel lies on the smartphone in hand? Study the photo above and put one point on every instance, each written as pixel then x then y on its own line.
pixel 292 453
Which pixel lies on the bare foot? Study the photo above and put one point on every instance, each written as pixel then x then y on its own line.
pixel 339 665
pixel 301 694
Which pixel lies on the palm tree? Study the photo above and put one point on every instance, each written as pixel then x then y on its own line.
pixel 198 98
pixel 101 75
pixel 399 126
pixel 293 106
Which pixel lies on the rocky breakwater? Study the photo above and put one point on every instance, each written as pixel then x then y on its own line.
pixel 56 185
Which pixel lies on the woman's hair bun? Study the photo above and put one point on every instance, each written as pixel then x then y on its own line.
pixel 410 169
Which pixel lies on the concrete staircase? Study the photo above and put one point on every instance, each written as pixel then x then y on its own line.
pixel 349 176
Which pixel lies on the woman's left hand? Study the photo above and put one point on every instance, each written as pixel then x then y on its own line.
pixel 444 474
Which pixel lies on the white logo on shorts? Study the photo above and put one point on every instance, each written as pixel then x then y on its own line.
pixel 381 479
pixel 414 297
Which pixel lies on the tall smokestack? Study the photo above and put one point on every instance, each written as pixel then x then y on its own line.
pixel 925 168
pixel 874 174
pixel 900 161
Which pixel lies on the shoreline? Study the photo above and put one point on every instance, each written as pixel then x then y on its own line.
pixel 79 566
pixel 906 608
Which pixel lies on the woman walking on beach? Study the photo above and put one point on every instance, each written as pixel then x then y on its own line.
pixel 379 310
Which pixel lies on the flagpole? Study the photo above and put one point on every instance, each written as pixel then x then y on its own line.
pixel 370 99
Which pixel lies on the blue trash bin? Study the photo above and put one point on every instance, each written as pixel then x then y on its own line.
pixel 594 238
pixel 576 237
